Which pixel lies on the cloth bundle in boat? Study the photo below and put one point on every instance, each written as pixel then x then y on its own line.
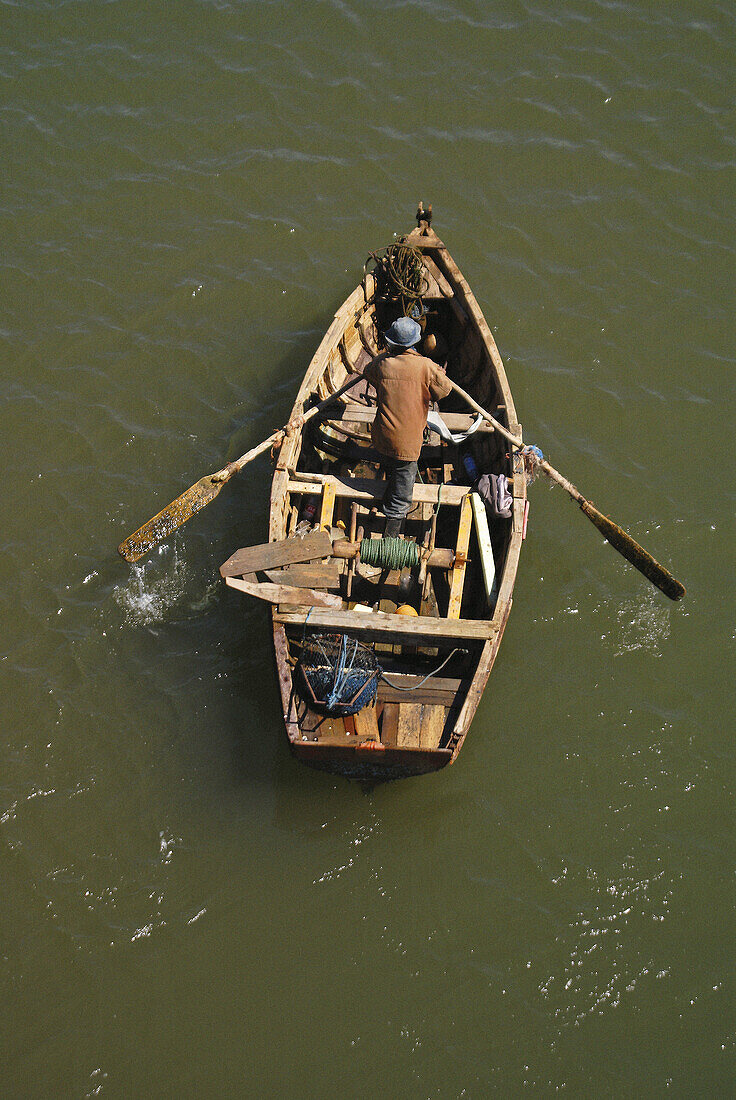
pixel 494 491
pixel 435 423
pixel 341 674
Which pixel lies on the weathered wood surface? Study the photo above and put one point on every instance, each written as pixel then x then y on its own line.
pixel 413 725
pixel 271 555
pixel 364 488
pixel 390 724
pixel 443 287
pixel 311 575
pixel 441 690
pixel 283 669
pixel 327 727
pixel 457 581
pixel 433 724
pixel 354 318
pixel 410 725
pixel 366 724
pixel 284 593
pixel 448 265
pixel 364 414
pixel 328 506
pixel 378 626
pixel 415 760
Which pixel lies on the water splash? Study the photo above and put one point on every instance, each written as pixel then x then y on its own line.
pixel 162 590
pixel 642 624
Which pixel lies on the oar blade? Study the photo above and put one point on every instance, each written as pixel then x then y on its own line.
pixel 640 558
pixel 165 522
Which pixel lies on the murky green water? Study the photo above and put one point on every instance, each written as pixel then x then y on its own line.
pixel 188 191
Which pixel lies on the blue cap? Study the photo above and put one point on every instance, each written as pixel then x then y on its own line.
pixel 403 333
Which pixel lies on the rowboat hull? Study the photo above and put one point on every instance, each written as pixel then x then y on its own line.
pixel 461 608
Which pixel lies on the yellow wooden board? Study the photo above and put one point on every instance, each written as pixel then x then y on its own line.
pixel 457 581
pixel 328 506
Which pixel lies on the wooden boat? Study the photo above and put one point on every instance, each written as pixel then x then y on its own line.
pixel 328 479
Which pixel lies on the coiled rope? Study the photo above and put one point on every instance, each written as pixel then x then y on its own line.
pixel 400 276
pixel 389 553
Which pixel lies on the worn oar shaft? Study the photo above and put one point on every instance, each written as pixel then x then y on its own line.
pixel 204 491
pixel 620 539
pixel 486 415
pixel 640 558
pixel 196 497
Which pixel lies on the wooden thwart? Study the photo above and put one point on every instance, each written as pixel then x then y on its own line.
pixel 362 414
pixel 366 488
pixel 439 690
pixel 382 627
pixel 271 555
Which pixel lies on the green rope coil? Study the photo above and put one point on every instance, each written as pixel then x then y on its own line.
pixel 389 553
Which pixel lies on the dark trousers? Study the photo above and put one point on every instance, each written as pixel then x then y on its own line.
pixel 399 486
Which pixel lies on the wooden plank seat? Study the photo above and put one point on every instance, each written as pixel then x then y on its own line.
pixel 361 414
pixel 380 626
pixel 365 488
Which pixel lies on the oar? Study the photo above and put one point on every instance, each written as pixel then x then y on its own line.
pixel 203 492
pixel 617 537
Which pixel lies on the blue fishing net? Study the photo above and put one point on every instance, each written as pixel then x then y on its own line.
pixel 341 674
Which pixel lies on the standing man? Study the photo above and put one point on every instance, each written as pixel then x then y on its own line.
pixel 405 382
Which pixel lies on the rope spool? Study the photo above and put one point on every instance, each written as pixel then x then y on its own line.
pixel 389 553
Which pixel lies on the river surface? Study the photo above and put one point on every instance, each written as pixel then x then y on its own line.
pixel 187 192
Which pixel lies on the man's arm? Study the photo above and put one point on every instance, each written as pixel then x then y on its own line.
pixel 439 386
pixel 370 371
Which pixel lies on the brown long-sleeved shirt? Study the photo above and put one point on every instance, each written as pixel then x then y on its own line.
pixel 405 384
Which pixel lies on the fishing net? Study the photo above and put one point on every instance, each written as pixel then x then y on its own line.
pixel 341 674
